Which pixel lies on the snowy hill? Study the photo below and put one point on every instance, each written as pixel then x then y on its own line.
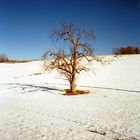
pixel 32 107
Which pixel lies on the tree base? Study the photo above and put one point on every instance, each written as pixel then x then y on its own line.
pixel 76 92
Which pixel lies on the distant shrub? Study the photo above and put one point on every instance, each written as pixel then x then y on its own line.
pixel 3 58
pixel 126 50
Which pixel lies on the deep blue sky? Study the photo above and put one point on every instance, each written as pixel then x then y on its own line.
pixel 25 25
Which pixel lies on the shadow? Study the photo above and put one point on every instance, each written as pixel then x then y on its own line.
pixel 96 87
pixel 118 89
pixel 34 88
pixel 52 87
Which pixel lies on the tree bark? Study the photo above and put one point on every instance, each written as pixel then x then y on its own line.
pixel 73 86
pixel 73 79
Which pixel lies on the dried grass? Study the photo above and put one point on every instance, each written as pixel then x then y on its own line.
pixel 77 92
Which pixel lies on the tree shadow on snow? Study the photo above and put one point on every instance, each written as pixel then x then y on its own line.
pixel 34 88
pixel 118 89
pixel 53 87
pixel 97 87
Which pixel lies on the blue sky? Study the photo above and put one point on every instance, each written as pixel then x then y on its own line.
pixel 25 25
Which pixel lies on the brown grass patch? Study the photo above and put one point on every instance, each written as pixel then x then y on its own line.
pixel 77 92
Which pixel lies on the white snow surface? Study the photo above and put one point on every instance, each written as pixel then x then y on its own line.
pixel 32 106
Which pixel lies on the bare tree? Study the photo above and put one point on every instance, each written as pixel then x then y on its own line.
pixel 68 62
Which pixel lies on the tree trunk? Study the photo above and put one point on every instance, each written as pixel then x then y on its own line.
pixel 73 82
pixel 73 86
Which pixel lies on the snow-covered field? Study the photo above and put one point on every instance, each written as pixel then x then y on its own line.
pixel 32 106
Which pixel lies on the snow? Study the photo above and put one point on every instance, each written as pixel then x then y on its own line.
pixel 32 106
